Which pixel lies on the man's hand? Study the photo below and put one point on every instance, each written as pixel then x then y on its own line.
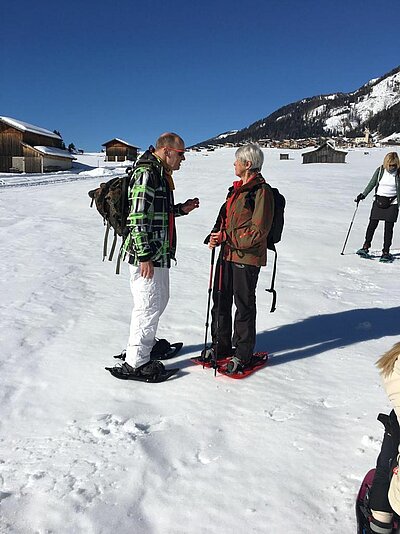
pixel 146 269
pixel 215 239
pixel 190 205
pixel 359 197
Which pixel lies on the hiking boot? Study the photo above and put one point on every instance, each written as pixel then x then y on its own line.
pixel 234 366
pixel 363 252
pixel 208 354
pixel 386 257
pixel 152 369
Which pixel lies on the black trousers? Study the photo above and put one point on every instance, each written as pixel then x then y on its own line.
pixel 387 236
pixel 378 499
pixel 239 284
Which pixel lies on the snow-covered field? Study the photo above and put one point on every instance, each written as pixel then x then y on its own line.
pixel 280 452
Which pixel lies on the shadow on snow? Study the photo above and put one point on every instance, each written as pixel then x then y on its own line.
pixel 320 333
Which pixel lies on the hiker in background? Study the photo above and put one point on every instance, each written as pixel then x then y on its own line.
pixel 241 230
pixel 149 248
pixel 386 181
pixel 385 491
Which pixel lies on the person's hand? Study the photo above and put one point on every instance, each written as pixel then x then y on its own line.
pixel 215 239
pixel 146 269
pixel 359 197
pixel 190 205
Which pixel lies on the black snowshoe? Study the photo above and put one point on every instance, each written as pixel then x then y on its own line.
pixel 364 253
pixel 386 258
pixel 162 350
pixel 152 371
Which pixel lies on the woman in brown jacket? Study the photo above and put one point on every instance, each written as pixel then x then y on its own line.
pixel 241 230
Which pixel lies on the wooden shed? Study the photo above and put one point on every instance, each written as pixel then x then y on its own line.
pixel 120 150
pixel 19 144
pixel 326 153
pixel 42 159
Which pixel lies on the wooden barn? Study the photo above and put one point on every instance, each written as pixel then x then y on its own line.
pixel 326 153
pixel 120 150
pixel 28 148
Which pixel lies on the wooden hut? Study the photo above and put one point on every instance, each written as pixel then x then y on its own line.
pixel 326 153
pixel 23 148
pixel 42 159
pixel 120 150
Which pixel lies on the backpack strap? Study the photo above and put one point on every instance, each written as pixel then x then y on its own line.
pixel 106 241
pixel 272 288
pixel 114 243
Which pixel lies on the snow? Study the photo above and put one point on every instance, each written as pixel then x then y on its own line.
pixel 383 95
pixel 394 137
pixel 226 134
pixel 26 127
pixel 281 451
pixel 315 112
pixel 52 151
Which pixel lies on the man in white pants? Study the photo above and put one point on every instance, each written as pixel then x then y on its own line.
pixel 150 247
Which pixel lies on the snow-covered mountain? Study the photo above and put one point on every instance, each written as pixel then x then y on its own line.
pixel 375 105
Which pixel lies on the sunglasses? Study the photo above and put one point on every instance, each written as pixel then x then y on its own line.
pixel 180 151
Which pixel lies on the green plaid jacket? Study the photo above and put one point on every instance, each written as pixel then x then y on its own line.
pixel 151 201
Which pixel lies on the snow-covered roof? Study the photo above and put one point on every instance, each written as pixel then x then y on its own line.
pixel 327 143
pixel 51 151
pixel 120 141
pixel 25 127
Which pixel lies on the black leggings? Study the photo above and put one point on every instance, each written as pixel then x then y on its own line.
pixel 387 236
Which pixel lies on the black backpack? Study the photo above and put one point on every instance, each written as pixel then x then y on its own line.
pixel 111 200
pixel 275 233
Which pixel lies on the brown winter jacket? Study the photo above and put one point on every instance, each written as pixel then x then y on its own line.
pixel 246 218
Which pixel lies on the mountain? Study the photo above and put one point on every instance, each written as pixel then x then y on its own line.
pixel 375 105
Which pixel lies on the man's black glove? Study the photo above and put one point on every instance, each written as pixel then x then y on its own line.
pixel 359 197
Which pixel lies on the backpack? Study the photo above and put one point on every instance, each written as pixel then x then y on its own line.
pixel 111 200
pixel 275 233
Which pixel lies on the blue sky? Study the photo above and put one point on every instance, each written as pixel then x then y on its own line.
pixel 95 70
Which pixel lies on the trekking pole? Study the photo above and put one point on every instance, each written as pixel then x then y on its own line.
pixel 220 273
pixel 210 283
pixel 348 233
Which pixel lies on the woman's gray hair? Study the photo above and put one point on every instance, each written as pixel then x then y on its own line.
pixel 252 153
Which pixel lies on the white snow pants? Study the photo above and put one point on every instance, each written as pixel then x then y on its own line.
pixel 150 298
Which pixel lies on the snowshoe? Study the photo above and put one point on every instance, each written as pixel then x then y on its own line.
pixel 233 367
pixel 162 350
pixel 386 258
pixel 152 371
pixel 364 253
pixel 207 357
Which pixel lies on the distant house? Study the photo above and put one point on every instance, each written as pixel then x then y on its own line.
pixel 28 148
pixel 283 156
pixel 120 150
pixel 325 153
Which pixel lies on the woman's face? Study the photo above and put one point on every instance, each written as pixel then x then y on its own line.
pixel 240 168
